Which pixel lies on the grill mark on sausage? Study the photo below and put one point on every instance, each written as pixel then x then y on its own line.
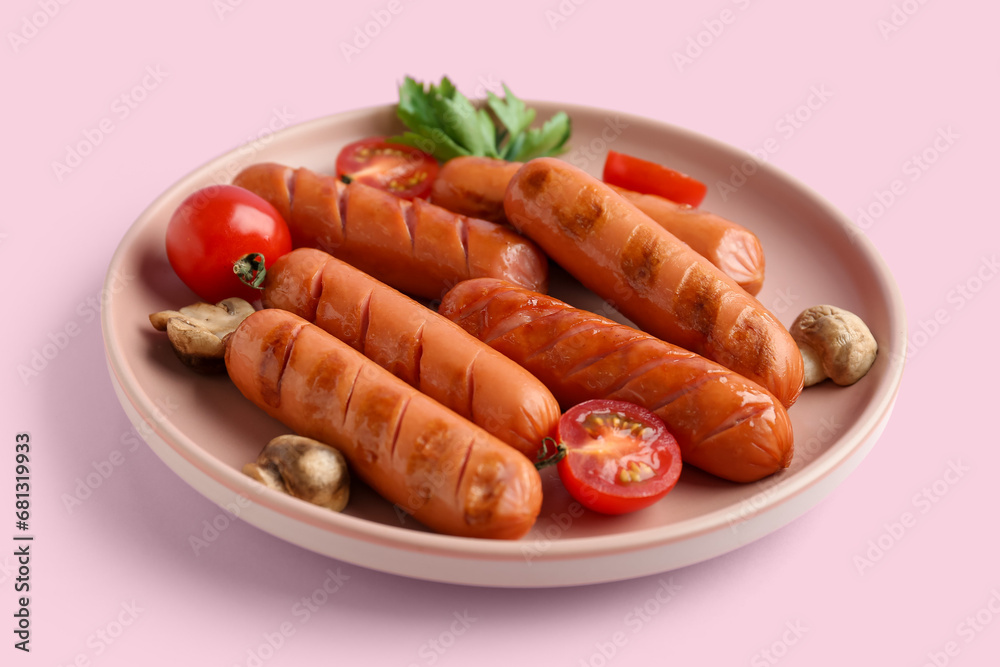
pixel 751 336
pixel 350 394
pixel 316 288
pixel 698 299
pixel 583 216
pixel 366 304
pixel 633 374
pixel 566 334
pixel 746 412
pixel 684 390
pixel 470 381
pixel 418 353
pixel 463 235
pixel 272 369
pixel 424 467
pixel 586 363
pixel 514 321
pixel 341 193
pixel 410 218
pixel 641 258
pixel 465 464
pixel 456 311
pixel 534 181
pixel 485 490
pixel 399 425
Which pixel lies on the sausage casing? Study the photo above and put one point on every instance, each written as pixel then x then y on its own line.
pixel 415 344
pixel 649 275
pixel 448 473
pixel 724 423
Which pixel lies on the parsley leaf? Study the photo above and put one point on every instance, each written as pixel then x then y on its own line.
pixel 443 122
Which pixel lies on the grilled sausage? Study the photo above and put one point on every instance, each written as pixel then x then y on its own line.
pixel 416 247
pixel 724 423
pixel 415 344
pixel 448 473
pixel 649 275
pixel 476 186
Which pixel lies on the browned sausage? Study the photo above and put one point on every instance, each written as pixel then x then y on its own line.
pixel 724 423
pixel 649 275
pixel 476 185
pixel 732 248
pixel 416 345
pixel 416 247
pixel 448 473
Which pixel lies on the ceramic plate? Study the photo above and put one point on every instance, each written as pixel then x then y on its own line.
pixel 205 431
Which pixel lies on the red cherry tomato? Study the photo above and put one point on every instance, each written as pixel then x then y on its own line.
pixel 650 178
pixel 404 171
pixel 213 229
pixel 620 457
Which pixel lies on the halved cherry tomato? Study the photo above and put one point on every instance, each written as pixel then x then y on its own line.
pixel 404 171
pixel 650 178
pixel 620 457
pixel 216 227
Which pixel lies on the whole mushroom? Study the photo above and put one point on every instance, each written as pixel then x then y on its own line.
pixel 835 343
pixel 303 468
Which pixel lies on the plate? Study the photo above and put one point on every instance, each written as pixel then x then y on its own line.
pixel 205 431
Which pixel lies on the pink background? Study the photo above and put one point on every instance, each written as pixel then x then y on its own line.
pixel 119 565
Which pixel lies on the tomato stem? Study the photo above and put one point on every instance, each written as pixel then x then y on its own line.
pixel 552 452
pixel 250 269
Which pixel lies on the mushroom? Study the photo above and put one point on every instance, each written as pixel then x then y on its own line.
pixel 835 343
pixel 196 332
pixel 303 468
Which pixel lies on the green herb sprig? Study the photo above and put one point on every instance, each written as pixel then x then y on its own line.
pixel 443 122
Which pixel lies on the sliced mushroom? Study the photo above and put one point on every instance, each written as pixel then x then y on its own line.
pixel 303 468
pixel 835 343
pixel 196 332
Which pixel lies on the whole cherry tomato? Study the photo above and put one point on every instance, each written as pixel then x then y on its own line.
pixel 619 458
pixel 404 171
pixel 217 227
